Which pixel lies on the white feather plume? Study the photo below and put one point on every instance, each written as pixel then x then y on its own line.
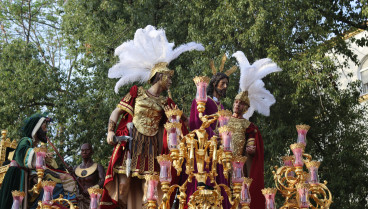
pixel 251 80
pixel 137 57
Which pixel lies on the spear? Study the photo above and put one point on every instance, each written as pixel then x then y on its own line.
pixel 66 166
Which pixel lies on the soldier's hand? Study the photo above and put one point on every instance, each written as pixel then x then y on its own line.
pixel 251 150
pixel 70 169
pixel 110 137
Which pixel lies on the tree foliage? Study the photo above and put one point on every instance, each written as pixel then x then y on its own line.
pixel 296 34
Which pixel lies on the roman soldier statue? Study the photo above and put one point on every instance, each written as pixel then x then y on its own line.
pixel 247 139
pixel 144 59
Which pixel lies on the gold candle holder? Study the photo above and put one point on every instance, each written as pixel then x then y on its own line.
pixel 201 97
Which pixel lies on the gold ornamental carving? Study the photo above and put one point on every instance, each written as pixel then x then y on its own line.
pixel 199 79
pixel 225 129
pixel 94 190
pixel 288 179
pixel 18 193
pixel 269 191
pixel 163 158
pixel 226 113
pixel 48 183
pixel 169 125
pixel 297 146
pixel 303 127
pixel 173 112
pixel 313 164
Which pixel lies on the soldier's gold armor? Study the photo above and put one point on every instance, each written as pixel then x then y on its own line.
pixel 148 112
pixel 147 134
pixel 239 141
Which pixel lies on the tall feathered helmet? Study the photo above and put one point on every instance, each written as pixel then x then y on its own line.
pixel 251 86
pixel 146 55
pixel 32 124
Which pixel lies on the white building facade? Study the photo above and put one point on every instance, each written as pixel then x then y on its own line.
pixel 358 71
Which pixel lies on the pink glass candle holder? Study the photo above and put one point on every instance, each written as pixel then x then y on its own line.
pixel 298 150
pixel 226 136
pixel 48 188
pixel 173 132
pixel 18 197
pixel 165 168
pixel 95 195
pixel 269 194
pixel 40 157
pixel 302 195
pixel 201 83
pixel 238 164
pixel 288 161
pixel 245 194
pixel 224 117
pixel 313 171
pixel 13 163
pixel 151 187
pixel 302 133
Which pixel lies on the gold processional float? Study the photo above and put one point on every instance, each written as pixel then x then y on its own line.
pixel 299 188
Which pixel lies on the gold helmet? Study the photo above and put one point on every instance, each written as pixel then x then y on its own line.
pixel 160 67
pixel 243 96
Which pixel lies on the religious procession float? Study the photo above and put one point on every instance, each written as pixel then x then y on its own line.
pixel 213 160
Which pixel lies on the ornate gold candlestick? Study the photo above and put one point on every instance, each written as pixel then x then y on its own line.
pixel 299 188
pixel 244 194
pixel 40 153
pixel 201 156
pixel 201 97
pixel 95 195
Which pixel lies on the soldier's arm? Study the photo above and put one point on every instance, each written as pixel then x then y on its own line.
pixel 112 124
pixel 101 175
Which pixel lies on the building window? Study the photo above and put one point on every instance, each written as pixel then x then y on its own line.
pixel 364 76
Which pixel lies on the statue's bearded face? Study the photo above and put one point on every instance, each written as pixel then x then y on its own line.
pixel 222 87
pixel 41 133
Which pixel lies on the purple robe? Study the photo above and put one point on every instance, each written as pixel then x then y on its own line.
pixel 212 107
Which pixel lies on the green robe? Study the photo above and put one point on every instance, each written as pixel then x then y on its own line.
pixel 14 177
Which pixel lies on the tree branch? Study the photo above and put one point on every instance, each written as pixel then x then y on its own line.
pixel 29 20
pixel 363 25
pixel 41 103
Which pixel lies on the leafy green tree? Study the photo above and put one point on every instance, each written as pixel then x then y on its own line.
pixel 297 35
pixel 31 79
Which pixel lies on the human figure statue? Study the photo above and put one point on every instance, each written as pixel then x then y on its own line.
pixel 89 174
pixel 143 115
pixel 247 141
pixel 246 138
pixel 34 130
pixel 216 90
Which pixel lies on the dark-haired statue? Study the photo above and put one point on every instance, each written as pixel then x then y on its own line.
pixel 90 174
pixel 34 130
pixel 216 90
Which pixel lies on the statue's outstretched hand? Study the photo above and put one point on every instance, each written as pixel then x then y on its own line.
pixel 170 107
